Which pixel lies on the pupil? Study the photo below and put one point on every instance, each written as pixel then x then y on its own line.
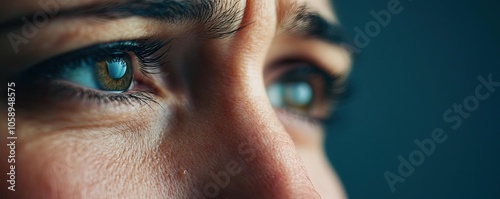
pixel 116 68
pixel 299 94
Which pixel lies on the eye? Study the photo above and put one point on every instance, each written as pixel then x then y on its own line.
pixel 113 73
pixel 99 73
pixel 296 95
pixel 306 90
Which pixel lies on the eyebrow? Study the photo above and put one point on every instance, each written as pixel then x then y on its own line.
pixel 219 18
pixel 310 24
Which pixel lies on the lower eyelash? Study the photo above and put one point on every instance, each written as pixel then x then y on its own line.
pixel 63 92
pixel 96 97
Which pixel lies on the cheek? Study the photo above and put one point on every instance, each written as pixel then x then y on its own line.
pixel 71 164
pixel 321 174
pixel 308 139
pixel 61 167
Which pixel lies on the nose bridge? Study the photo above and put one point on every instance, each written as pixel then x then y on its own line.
pixel 253 156
pixel 253 150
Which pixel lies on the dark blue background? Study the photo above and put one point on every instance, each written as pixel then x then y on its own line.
pixel 424 61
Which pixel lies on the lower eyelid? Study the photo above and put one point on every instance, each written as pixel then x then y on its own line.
pixel 299 123
pixel 64 95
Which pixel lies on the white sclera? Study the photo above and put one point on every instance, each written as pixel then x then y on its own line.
pixel 81 75
pixel 275 94
pixel 116 69
pixel 298 94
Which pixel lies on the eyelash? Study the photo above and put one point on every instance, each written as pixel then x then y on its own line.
pixel 150 56
pixel 91 97
pixel 145 51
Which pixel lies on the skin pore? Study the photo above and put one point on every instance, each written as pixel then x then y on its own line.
pixel 204 128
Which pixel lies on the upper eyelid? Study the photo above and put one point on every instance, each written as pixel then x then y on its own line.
pixel 60 36
pixel 85 51
pixel 332 58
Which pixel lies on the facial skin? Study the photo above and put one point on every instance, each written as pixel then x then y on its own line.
pixel 211 131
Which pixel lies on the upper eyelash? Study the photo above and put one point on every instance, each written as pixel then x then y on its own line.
pixel 340 89
pixel 149 54
pixel 149 58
